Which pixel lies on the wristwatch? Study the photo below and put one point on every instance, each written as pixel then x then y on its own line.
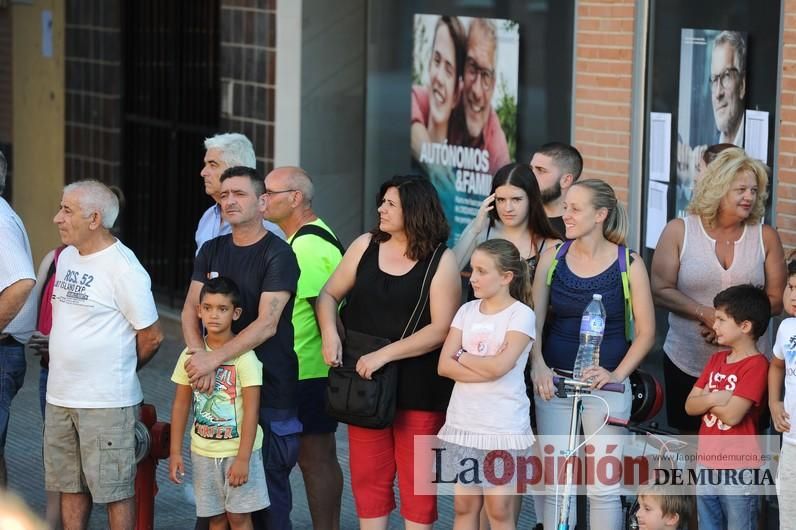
pixel 458 354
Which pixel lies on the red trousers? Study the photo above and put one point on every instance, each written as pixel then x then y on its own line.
pixel 376 455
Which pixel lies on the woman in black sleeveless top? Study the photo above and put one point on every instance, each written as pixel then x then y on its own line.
pixel 381 274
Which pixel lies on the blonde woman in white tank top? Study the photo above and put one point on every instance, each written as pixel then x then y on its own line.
pixel 722 242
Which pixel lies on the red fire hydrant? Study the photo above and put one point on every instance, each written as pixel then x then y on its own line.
pixel 152 444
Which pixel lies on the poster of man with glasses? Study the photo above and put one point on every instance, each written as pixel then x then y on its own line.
pixel 464 107
pixel 711 101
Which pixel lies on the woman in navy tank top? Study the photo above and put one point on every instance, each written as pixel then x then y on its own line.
pixel 597 224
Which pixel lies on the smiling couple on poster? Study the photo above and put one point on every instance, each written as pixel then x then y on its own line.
pixel 459 88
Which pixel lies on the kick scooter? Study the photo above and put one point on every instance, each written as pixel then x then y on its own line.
pixel 566 388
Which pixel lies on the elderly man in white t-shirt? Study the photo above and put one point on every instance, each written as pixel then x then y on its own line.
pixel 105 327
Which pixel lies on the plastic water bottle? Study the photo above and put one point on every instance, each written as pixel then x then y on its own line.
pixel 592 327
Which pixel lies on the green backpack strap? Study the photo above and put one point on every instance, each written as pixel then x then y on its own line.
pixel 561 250
pixel 324 234
pixel 624 262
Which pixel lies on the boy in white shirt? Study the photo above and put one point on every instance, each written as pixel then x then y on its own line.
pixel 783 367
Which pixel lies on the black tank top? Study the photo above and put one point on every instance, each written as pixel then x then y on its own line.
pixel 381 304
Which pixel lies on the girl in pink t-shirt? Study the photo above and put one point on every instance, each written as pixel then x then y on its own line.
pixel 485 353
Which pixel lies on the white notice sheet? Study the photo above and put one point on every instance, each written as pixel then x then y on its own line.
pixel 657 200
pixel 660 145
pixel 756 132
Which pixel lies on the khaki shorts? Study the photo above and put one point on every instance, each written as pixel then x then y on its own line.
pixel 90 451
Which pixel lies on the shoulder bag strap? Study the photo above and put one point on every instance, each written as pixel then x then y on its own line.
pixel 316 230
pixel 50 271
pixel 422 300
pixel 54 262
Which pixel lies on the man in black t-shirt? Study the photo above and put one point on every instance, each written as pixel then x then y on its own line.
pixel 266 270
pixel 556 166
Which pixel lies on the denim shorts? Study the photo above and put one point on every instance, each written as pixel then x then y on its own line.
pixel 12 375
pixel 90 450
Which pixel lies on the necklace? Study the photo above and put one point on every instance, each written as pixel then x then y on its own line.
pixel 731 239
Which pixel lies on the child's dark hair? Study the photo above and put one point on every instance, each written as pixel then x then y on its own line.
pixel 713 151
pixel 507 259
pixel 221 285
pixel 746 302
pixel 792 263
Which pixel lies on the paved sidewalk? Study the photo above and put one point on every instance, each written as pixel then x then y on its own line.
pixel 172 509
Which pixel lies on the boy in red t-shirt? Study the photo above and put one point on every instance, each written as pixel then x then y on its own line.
pixel 728 396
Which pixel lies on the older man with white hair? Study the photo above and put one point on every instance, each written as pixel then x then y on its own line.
pixel 17 308
pixel 105 327
pixel 224 151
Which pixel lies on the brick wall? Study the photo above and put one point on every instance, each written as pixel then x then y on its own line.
pixel 603 79
pixel 248 62
pixel 786 173
pixel 93 90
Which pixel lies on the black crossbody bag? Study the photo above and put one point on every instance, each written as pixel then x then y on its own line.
pixel 371 402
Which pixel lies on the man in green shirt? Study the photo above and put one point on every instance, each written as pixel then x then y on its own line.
pixel 289 193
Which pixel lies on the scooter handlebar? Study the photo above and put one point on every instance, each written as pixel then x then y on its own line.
pixel 608 387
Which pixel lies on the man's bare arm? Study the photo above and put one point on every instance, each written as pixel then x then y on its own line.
pixel 147 343
pixel 12 298
pixel 263 328
pixel 190 318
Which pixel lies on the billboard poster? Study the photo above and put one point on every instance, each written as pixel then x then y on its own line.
pixel 712 100
pixel 464 107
